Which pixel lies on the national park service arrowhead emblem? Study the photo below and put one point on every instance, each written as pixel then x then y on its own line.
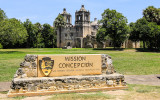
pixel 46 65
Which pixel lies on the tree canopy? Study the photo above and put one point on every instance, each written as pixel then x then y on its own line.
pixel 59 21
pixel 152 14
pixel 15 34
pixel 114 27
pixel 12 33
pixel 2 15
pixel 48 35
pixel 31 30
pixel 148 32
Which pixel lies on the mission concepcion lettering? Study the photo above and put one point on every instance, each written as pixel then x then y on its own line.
pixel 76 62
pixel 75 58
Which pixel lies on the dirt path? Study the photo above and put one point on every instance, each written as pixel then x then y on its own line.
pixel 5 86
pixel 153 80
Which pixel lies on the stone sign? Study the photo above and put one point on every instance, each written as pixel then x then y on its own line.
pixel 68 65
pixel 50 74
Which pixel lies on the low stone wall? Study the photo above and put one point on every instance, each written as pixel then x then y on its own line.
pixel 65 83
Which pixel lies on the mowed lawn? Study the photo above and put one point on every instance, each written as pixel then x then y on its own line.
pixel 127 61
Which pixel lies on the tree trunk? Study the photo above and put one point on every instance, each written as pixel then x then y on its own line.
pixel 144 44
pixel 114 40
pixel 114 43
pixel 104 46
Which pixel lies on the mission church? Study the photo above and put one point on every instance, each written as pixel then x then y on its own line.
pixel 83 33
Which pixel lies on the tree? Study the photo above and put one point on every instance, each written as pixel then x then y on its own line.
pixel 12 33
pixel 134 35
pixel 48 35
pixel 100 36
pixel 114 27
pixel 154 36
pixel 40 43
pixel 39 39
pixel 148 32
pixel 152 14
pixel 59 23
pixel 31 30
pixel 140 31
pixel 2 15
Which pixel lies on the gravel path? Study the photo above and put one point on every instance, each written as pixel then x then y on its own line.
pixel 5 86
pixel 153 80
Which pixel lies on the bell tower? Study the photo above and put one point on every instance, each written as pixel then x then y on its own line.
pixel 82 22
pixel 67 17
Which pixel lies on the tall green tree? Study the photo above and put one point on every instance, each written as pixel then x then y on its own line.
pixel 148 32
pixel 134 35
pixel 12 33
pixel 39 39
pixel 114 27
pixel 31 30
pixel 154 36
pixel 140 31
pixel 38 27
pixel 152 14
pixel 58 24
pixel 2 15
pixel 48 36
pixel 101 34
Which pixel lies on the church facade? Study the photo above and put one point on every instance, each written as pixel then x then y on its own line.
pixel 76 36
pixel 83 33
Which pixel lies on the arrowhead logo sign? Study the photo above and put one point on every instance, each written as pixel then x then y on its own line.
pixel 46 65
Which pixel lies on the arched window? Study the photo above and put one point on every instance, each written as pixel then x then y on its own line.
pixel 67 20
pixel 86 18
pixel 79 18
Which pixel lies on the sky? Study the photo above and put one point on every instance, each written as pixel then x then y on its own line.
pixel 45 11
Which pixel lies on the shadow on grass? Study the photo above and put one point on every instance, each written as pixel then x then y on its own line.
pixel 147 50
pixel 110 49
pixel 10 52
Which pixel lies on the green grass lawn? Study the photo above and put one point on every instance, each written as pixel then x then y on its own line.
pixel 127 61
